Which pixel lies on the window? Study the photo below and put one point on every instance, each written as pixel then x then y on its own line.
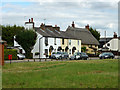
pixel 69 51
pixel 90 45
pixel 46 41
pixel 46 51
pixel 54 41
pixel 62 41
pixel 69 42
pixel 108 44
pixel 78 42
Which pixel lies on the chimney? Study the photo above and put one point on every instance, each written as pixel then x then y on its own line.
pixel 56 28
pixel 73 25
pixel 87 26
pixel 31 19
pixel 42 26
pixel 115 35
pixel 55 25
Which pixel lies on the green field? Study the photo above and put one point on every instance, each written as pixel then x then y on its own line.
pixel 61 74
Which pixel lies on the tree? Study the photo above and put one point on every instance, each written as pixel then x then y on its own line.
pixel 27 40
pixel 83 49
pixel 95 33
pixel 8 33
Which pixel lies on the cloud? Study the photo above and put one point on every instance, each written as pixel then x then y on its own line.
pixel 102 16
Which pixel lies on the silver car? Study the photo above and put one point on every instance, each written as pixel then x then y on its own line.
pixel 79 55
pixel 59 55
pixel 20 56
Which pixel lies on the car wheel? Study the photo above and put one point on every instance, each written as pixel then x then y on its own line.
pixel 60 57
pixel 18 58
pixel 103 58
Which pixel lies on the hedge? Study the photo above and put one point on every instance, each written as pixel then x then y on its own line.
pixel 13 52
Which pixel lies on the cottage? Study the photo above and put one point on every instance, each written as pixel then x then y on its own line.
pixel 87 39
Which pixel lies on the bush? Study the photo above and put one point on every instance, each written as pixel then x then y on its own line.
pixel 13 52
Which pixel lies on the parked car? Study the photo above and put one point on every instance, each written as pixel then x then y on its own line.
pixel 79 55
pixel 20 56
pixel 59 55
pixel 106 55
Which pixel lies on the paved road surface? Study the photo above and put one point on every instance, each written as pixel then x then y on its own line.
pixel 42 60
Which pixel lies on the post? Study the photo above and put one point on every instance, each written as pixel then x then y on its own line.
pixel 39 48
pixel 2 52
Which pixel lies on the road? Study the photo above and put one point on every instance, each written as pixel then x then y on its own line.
pixel 42 60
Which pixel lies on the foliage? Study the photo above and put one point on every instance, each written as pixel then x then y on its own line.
pixel 61 74
pixel 13 52
pixel 83 49
pixel 95 33
pixel 27 40
pixel 8 33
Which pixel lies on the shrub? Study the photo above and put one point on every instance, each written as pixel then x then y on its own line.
pixel 13 52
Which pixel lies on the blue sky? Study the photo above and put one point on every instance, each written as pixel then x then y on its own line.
pixel 99 15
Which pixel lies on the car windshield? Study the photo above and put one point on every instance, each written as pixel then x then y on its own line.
pixel 58 53
pixel 83 53
pixel 77 53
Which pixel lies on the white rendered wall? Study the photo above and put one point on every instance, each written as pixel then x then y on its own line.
pixel 16 44
pixel 114 44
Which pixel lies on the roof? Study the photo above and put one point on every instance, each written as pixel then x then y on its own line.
pixel 54 33
pixel 1 41
pixel 83 34
pixel 105 39
pixel 71 33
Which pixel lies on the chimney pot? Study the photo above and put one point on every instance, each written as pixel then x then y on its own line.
pixel 55 25
pixel 87 26
pixel 115 35
pixel 31 19
pixel 73 25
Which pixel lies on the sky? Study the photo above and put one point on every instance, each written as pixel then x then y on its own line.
pixel 101 15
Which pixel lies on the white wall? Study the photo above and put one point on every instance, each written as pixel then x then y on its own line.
pixel 43 46
pixel 16 44
pixel 74 43
pixel 113 44
pixel 29 26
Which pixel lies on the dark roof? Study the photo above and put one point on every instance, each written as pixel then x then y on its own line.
pixel 105 39
pixel 83 34
pixel 54 33
pixel 71 33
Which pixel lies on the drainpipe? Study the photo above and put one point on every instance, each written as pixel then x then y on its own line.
pixel 39 47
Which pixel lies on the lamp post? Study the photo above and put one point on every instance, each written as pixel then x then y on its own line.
pixel 39 47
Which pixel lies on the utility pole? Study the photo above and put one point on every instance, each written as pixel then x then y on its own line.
pixel 105 39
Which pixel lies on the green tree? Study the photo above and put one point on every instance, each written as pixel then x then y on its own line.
pixel 95 33
pixel 83 49
pixel 8 33
pixel 27 40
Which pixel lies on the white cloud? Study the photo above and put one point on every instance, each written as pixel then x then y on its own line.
pixel 102 17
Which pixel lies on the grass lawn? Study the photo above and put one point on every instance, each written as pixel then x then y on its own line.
pixel 61 74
